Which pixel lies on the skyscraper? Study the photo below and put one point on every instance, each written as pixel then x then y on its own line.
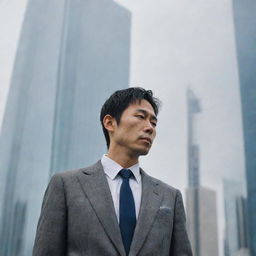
pixel 71 56
pixel 245 34
pixel 235 217
pixel 193 107
pixel 200 201
pixel 193 209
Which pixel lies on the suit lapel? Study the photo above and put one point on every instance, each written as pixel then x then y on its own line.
pixel 150 204
pixel 95 186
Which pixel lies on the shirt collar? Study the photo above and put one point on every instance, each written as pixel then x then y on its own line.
pixel 112 168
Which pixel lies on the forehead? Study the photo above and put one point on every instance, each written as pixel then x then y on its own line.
pixel 141 105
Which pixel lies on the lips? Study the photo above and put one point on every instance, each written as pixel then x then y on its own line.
pixel 147 139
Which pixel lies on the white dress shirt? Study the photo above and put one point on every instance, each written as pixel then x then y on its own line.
pixel 111 169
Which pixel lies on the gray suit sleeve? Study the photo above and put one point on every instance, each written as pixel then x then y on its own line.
pixel 51 230
pixel 180 245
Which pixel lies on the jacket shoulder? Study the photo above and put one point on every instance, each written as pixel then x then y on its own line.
pixel 75 172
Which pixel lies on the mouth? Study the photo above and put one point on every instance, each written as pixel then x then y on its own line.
pixel 146 139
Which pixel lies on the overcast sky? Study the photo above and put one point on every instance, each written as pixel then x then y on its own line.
pixel 190 44
pixel 175 45
pixel 11 16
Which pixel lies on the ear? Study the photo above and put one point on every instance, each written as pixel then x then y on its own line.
pixel 109 123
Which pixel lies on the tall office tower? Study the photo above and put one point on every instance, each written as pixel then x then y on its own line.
pixel 71 56
pixel 193 108
pixel 235 218
pixel 200 202
pixel 245 34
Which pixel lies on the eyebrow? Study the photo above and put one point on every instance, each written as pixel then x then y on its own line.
pixel 146 113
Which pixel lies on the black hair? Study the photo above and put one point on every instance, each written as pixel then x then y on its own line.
pixel 120 100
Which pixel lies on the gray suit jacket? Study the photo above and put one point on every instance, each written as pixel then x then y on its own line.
pixel 78 218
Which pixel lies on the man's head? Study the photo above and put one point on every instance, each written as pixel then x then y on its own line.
pixel 130 114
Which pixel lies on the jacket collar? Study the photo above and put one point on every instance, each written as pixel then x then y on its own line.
pixel 94 183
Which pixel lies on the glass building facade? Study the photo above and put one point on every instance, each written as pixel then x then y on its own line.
pixel 245 32
pixel 71 56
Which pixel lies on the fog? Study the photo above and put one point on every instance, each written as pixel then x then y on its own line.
pixel 175 45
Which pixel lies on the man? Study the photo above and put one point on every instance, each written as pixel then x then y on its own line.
pixel 113 207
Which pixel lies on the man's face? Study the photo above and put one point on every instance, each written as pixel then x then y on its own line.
pixel 137 129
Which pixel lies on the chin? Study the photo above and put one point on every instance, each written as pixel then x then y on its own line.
pixel 142 152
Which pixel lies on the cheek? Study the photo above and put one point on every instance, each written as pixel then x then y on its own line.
pixel 133 127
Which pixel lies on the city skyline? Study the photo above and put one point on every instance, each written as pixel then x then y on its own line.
pixel 178 45
pixel 207 72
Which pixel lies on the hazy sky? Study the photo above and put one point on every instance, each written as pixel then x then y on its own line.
pixel 181 44
pixel 175 45
pixel 11 15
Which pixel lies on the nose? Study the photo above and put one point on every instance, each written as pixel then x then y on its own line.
pixel 149 128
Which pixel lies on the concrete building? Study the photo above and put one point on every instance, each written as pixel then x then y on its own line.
pixel 207 230
pixel 245 34
pixel 201 203
pixel 71 56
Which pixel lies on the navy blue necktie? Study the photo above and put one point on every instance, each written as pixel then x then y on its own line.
pixel 127 215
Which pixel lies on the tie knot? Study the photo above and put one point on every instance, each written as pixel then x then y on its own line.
pixel 126 173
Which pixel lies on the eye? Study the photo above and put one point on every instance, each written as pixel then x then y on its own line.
pixel 140 116
pixel 154 124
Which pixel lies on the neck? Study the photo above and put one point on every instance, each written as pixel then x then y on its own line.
pixel 123 158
